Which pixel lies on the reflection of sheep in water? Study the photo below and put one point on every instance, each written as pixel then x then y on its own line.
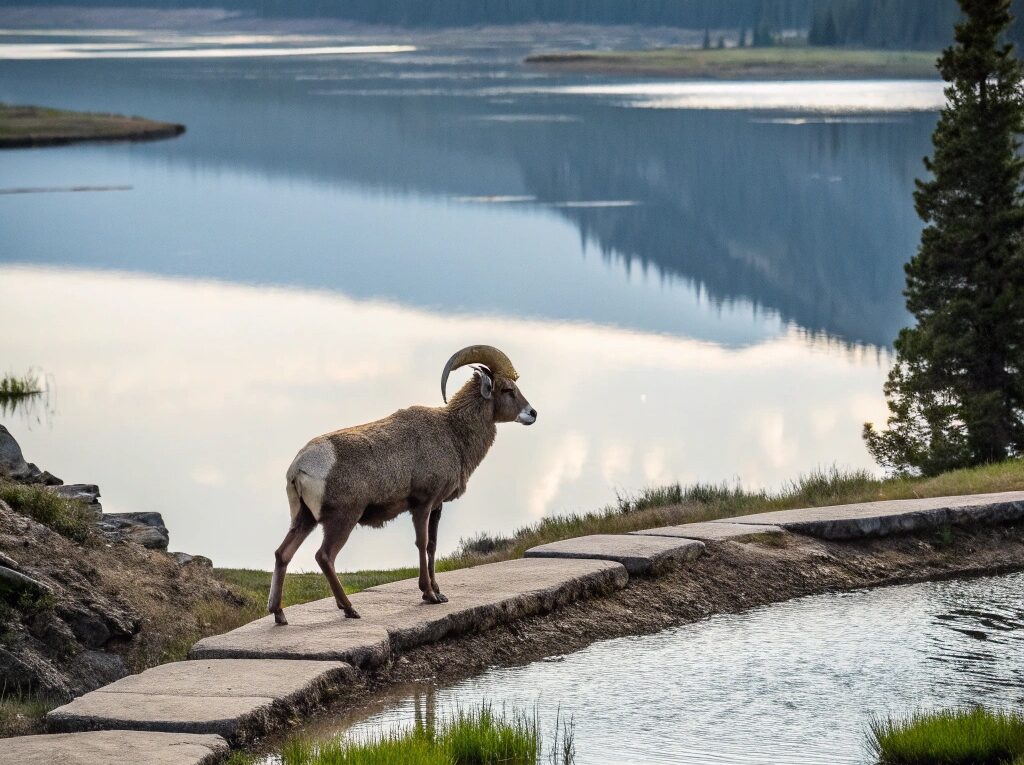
pixel 413 460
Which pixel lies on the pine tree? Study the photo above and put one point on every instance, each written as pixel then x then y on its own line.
pixel 956 390
pixel 707 39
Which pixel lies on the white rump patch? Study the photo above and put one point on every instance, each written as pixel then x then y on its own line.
pixel 308 473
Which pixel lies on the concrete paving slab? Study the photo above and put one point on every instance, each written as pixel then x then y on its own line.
pixel 235 698
pixel 710 532
pixel 876 519
pixel 641 555
pixel 395 616
pixel 114 747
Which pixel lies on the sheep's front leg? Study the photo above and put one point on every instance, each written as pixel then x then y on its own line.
pixel 435 520
pixel 421 519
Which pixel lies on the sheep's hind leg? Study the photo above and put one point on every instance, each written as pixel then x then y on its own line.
pixel 421 520
pixel 337 527
pixel 302 525
pixel 435 520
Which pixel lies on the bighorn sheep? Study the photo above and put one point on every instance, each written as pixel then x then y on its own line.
pixel 415 460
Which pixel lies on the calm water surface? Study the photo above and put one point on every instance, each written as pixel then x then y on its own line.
pixel 697 281
pixel 789 684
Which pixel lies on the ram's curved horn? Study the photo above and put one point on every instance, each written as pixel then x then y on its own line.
pixel 487 355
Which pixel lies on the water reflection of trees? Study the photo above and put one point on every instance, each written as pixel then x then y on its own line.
pixel 812 221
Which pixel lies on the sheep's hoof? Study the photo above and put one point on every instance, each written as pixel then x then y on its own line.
pixel 431 597
pixel 441 598
pixel 279 618
pixel 350 613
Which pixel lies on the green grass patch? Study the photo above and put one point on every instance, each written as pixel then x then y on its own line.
pixel 22 715
pixel 949 737
pixel 659 506
pixel 478 736
pixel 67 517
pixel 12 386
pixel 254 585
pixel 778 61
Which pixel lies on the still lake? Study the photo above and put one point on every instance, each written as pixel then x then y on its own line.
pixel 696 281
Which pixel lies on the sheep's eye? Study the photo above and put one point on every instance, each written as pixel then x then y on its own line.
pixel 508 392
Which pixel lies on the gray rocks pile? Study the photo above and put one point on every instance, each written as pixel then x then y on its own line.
pixel 146 529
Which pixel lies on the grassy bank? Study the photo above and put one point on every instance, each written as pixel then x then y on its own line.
pixel 950 737
pixel 783 62
pixel 478 736
pixel 663 506
pixel 23 126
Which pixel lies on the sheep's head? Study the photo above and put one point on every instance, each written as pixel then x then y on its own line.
pixel 497 380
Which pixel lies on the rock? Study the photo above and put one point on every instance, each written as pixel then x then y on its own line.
pixel 116 747
pixel 236 698
pixel 14 585
pixel 8 562
pixel 12 461
pixel 639 554
pixel 710 531
pixel 394 615
pixel 14 467
pixel 879 519
pixel 185 559
pixel 147 529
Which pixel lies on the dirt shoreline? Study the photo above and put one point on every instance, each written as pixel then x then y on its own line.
pixel 731 577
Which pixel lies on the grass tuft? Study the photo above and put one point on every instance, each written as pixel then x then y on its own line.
pixel 22 715
pixel 478 736
pixel 67 517
pixel 974 736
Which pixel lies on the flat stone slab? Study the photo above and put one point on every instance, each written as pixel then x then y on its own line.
pixel 710 532
pixel 394 616
pixel 877 519
pixel 641 555
pixel 235 698
pixel 114 747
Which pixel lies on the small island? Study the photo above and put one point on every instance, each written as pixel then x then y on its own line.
pixel 778 62
pixel 26 126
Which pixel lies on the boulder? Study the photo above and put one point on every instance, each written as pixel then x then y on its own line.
pixel 185 559
pixel 13 585
pixel 147 529
pixel 14 467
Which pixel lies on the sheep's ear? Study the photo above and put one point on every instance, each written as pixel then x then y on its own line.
pixel 486 384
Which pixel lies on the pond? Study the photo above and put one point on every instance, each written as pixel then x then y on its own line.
pixel 791 684
pixel 697 281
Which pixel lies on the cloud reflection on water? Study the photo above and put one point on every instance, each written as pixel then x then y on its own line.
pixel 191 397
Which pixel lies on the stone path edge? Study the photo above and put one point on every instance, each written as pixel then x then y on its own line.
pixel 839 523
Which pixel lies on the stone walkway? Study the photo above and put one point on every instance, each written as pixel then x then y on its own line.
pixel 247 682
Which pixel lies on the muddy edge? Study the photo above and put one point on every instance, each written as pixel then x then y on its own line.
pixel 730 577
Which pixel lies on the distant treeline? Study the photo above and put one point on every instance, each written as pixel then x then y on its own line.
pixel 922 24
pixel 691 14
